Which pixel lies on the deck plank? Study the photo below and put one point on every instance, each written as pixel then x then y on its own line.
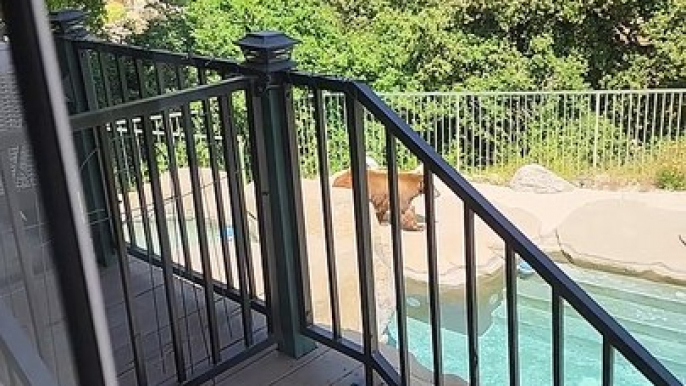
pixel 153 324
pixel 325 370
pixel 269 368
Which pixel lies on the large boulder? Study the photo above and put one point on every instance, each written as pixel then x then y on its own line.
pixel 626 236
pixel 536 178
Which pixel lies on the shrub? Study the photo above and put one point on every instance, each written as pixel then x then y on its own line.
pixel 671 178
pixel 114 12
pixel 670 171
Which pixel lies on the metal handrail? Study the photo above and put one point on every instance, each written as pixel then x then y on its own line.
pixel 164 56
pixel 156 104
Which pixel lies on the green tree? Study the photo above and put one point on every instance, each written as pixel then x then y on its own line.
pixel 453 44
pixel 95 10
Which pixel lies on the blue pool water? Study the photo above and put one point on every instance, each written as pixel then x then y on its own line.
pixel 654 313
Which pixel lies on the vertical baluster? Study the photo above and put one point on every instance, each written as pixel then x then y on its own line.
pixel 238 212
pixel 458 132
pixel 472 146
pixel 559 128
pixel 512 315
pixel 205 258
pixel 644 128
pixel 202 79
pixel 115 158
pixel 218 192
pixel 660 134
pixel 176 184
pixel 320 127
pixel 398 264
pixel 608 363
pixel 663 106
pixel 483 152
pixel 140 181
pixel 122 157
pixel 143 201
pixel 623 126
pixel 670 113
pixel 472 312
pixel 596 129
pixel 188 261
pixel 558 339
pixel 165 248
pixel 121 250
pixel 113 127
pixel 581 128
pixel 605 116
pixel 218 198
pixel 678 115
pixel 506 132
pixel 434 285
pixel 567 154
pixel 355 115
pixel 105 78
pixel 629 128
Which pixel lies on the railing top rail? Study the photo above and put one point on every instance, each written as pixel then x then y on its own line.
pixel 569 290
pixel 157 55
pixel 157 103
pixel 20 352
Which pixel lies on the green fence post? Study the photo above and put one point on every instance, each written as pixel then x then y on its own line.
pixel 266 54
pixel 67 26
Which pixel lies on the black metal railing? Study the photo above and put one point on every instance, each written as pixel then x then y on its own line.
pixel 153 211
pixel 152 86
pixel 360 99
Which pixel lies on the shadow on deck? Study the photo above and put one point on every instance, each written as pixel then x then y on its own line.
pixel 149 302
pixel 323 366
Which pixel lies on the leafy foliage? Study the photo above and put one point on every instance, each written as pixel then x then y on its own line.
pixel 454 44
pixel 95 10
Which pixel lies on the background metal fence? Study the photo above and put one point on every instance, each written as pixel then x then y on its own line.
pixel 577 134
pixel 574 133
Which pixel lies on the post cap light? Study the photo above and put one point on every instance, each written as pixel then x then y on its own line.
pixel 267 51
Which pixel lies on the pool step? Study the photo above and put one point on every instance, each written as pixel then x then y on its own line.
pixel 534 323
pixel 628 288
pixel 649 320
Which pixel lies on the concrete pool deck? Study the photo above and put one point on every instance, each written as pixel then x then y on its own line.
pixel 629 232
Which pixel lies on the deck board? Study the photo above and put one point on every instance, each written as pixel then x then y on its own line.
pixel 322 366
pixel 150 309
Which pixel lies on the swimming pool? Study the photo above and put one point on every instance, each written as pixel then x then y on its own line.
pixel 654 313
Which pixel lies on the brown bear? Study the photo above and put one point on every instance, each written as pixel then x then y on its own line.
pixel 410 185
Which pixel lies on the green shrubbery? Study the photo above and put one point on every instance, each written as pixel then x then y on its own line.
pixel 670 166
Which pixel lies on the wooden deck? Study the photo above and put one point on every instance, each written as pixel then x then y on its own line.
pixel 150 310
pixel 323 366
